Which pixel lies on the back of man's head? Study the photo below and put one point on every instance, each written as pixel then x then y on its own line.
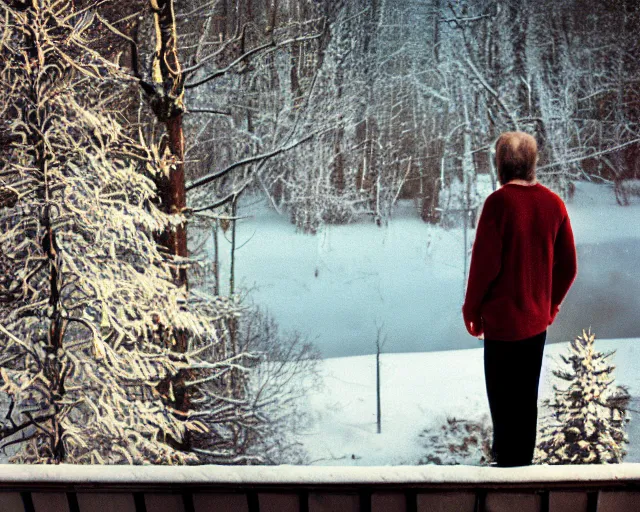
pixel 516 157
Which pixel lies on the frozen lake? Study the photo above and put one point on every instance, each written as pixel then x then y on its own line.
pixel 336 287
pixel 606 294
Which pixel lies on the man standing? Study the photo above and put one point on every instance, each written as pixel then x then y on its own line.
pixel 522 266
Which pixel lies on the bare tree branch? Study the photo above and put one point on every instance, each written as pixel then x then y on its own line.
pixel 241 163
pixel 267 47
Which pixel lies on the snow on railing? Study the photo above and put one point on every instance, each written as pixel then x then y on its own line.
pixel 67 488
pixel 314 475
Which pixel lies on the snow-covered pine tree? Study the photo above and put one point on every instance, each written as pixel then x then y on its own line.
pixel 88 307
pixel 588 417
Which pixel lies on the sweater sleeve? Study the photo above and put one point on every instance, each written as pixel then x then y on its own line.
pixel 565 265
pixel 486 261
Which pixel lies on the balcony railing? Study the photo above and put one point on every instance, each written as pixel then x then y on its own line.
pixel 63 488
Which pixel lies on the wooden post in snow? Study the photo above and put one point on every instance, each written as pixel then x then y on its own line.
pixel 379 344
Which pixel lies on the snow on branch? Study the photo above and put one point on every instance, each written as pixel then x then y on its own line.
pixel 267 47
pixel 256 158
pixel 90 311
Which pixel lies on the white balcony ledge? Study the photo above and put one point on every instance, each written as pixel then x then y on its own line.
pixel 66 488
pixel 311 476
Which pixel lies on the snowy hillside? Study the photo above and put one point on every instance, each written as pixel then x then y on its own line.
pixel 420 390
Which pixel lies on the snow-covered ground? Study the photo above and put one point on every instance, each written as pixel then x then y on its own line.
pixel 596 217
pixel 336 287
pixel 420 390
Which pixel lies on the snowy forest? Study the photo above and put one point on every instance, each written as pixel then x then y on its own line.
pixel 200 199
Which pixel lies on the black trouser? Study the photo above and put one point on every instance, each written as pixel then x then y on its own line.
pixel 512 374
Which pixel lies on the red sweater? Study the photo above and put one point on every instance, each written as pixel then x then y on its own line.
pixel 522 265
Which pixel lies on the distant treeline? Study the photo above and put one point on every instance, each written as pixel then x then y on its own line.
pixel 401 98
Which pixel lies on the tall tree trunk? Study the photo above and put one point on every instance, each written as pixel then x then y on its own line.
pixel 38 116
pixel 166 98
pixel 373 129
pixel 519 25
pixel 174 199
pixel 168 105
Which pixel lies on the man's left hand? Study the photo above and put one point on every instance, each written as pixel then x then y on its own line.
pixel 475 329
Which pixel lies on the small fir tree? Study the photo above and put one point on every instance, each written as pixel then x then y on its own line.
pixel 587 420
